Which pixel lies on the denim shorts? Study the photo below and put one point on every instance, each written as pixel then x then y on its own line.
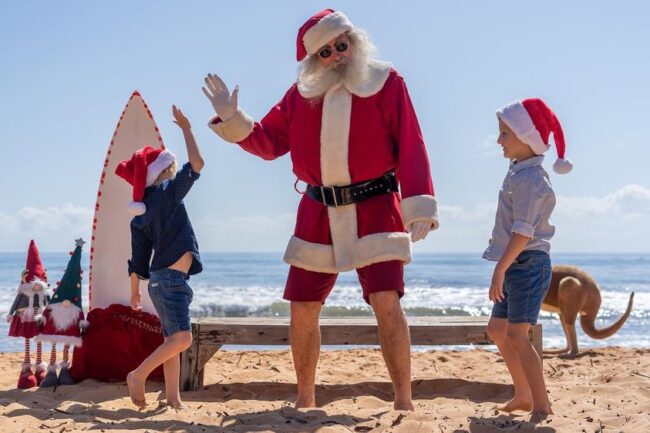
pixel 171 297
pixel 525 286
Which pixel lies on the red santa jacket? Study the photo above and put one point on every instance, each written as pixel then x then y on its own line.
pixel 358 130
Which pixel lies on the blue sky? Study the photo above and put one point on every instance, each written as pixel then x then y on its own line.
pixel 68 69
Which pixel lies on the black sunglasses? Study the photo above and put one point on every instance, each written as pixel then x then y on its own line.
pixel 327 51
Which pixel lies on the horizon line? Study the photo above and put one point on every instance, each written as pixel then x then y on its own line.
pixel 414 253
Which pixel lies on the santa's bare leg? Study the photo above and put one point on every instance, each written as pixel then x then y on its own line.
pixel 41 367
pixel 64 373
pixel 172 346
pixel 305 348
pixel 50 378
pixel 395 344
pixel 26 378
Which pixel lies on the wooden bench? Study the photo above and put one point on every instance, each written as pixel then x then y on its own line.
pixel 210 334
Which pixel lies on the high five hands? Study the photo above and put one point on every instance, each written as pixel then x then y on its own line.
pixel 224 102
pixel 180 119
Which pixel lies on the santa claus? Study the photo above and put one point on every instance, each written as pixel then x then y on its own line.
pixel 28 307
pixel 354 139
pixel 63 320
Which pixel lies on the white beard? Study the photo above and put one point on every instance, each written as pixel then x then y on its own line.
pixel 314 79
pixel 64 317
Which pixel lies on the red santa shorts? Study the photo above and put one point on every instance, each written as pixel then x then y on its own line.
pixel 309 286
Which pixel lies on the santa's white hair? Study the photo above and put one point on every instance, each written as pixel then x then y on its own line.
pixel 316 77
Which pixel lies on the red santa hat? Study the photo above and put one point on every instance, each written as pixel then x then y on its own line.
pixel 141 171
pixel 533 121
pixel 320 29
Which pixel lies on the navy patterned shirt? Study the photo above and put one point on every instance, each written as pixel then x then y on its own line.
pixel 164 229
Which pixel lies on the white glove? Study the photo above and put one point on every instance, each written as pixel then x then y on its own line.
pixel 419 230
pixel 224 103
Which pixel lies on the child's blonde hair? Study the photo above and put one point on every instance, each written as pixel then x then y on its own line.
pixel 165 173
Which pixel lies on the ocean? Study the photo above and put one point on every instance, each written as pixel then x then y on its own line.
pixel 251 284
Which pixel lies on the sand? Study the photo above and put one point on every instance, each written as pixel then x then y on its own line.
pixel 602 390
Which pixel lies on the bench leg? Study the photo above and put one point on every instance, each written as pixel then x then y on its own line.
pixel 193 361
pixel 190 364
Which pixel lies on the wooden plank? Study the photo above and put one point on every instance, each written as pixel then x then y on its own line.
pixel 346 331
pixel 343 321
pixel 341 331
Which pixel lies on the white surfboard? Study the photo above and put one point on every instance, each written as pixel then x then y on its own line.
pixel 111 239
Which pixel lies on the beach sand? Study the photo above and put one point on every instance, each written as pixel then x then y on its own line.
pixel 603 390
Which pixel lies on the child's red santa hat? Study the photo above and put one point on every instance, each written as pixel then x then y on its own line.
pixel 320 29
pixel 141 171
pixel 533 121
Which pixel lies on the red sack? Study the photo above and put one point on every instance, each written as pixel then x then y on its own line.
pixel 117 341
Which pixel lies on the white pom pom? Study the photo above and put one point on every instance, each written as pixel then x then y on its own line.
pixel 562 166
pixel 137 208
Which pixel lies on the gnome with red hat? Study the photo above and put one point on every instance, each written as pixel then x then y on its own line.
pixel 63 320
pixel 28 307
pixel 355 141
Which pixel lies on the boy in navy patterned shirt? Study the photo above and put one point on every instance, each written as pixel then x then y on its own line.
pixel 520 245
pixel 161 227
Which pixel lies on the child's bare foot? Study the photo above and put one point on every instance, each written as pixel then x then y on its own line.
pixel 537 416
pixel 403 405
pixel 305 402
pixel 542 412
pixel 516 404
pixel 136 390
pixel 178 405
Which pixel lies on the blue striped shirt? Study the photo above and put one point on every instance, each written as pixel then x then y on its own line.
pixel 526 201
pixel 164 229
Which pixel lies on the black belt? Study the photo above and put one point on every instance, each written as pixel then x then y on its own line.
pixel 336 196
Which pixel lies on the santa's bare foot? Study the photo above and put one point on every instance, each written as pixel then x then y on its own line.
pixel 516 404
pixel 303 402
pixel 136 390
pixel 403 405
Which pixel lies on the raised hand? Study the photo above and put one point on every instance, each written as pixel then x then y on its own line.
pixel 419 230
pixel 224 102
pixel 180 119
